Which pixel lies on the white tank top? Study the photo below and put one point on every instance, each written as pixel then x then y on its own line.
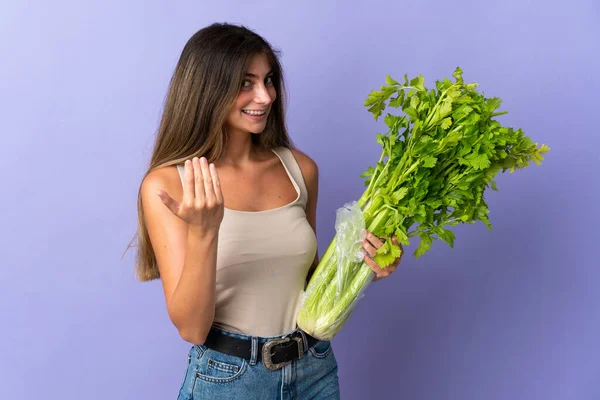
pixel 262 262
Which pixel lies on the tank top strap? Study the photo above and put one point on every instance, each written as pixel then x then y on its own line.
pixel 294 172
pixel 181 170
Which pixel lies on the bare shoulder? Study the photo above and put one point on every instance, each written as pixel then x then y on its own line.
pixel 308 167
pixel 165 178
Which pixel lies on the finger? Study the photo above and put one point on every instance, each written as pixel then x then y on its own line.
pixel 369 248
pixel 216 183
pixel 374 240
pixel 168 201
pixel 209 190
pixel 188 183
pixel 372 264
pixel 198 180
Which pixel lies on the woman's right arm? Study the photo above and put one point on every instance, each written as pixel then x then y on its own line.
pixel 183 225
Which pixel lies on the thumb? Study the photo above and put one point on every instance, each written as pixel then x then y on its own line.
pixel 168 201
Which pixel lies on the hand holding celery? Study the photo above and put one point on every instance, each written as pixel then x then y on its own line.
pixel 436 163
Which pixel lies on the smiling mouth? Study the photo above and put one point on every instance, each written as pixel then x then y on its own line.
pixel 254 113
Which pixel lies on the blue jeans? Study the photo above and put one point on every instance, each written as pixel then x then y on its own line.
pixel 214 375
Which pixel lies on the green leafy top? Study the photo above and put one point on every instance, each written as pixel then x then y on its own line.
pixel 437 160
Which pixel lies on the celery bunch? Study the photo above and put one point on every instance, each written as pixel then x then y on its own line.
pixel 437 161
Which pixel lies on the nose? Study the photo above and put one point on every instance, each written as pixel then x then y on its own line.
pixel 262 95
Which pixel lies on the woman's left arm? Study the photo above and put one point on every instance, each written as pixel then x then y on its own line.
pixel 310 172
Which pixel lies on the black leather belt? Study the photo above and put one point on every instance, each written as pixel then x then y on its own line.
pixel 274 353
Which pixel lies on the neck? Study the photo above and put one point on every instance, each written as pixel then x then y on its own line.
pixel 239 149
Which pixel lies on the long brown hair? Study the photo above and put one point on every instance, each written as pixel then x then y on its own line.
pixel 202 91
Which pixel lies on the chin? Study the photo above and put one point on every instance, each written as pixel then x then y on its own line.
pixel 256 130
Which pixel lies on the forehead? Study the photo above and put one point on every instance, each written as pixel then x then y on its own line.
pixel 259 65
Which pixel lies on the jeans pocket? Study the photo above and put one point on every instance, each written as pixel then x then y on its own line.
pixel 321 349
pixel 218 367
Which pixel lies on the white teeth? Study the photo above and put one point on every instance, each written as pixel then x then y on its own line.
pixel 256 113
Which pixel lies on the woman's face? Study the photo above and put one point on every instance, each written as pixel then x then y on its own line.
pixel 257 94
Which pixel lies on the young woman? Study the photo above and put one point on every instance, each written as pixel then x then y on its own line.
pixel 227 215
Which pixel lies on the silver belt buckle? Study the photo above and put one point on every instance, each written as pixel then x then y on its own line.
pixel 266 352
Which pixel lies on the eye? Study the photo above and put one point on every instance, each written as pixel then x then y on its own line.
pixel 244 83
pixel 269 80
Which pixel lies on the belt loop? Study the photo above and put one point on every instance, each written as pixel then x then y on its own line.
pixel 254 351
pixel 304 340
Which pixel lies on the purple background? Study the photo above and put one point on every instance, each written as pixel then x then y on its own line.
pixel 508 314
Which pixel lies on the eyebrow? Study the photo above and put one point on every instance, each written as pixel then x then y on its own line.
pixel 248 74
